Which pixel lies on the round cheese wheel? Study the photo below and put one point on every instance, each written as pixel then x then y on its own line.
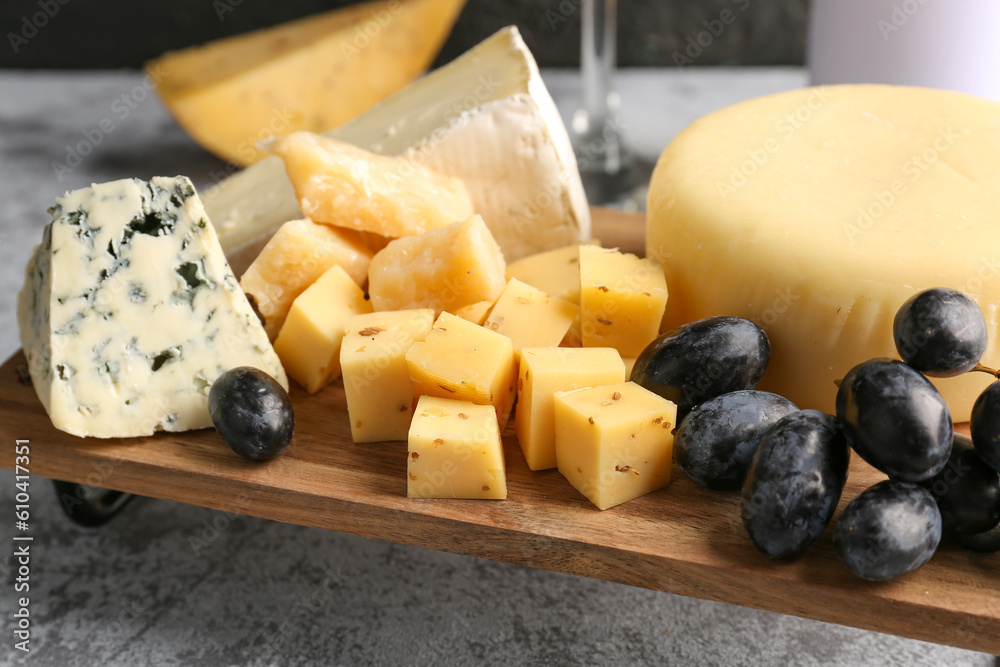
pixel 817 212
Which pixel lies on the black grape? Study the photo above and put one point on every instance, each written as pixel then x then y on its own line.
pixel 252 413
pixel 967 490
pixel 715 442
pixel 895 419
pixel 985 425
pixel 941 332
pixel 888 530
pixel 987 542
pixel 794 482
pixel 701 360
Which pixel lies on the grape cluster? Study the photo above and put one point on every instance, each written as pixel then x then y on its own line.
pixel 896 420
pixel 792 464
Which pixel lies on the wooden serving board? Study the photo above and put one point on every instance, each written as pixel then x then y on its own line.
pixel 683 539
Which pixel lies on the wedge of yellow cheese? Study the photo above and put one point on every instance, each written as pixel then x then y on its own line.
pixel 454 451
pixel 311 74
pixel 816 213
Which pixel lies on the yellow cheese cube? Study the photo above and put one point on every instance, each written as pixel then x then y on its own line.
pixel 309 342
pixel 340 184
pixel 543 372
pixel 443 269
pixel 299 253
pixel 466 362
pixel 629 365
pixel 454 451
pixel 474 312
pixel 614 443
pixel 555 272
pixel 530 317
pixel 622 299
pixel 376 379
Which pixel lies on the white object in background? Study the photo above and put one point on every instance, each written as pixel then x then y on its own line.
pixel 950 44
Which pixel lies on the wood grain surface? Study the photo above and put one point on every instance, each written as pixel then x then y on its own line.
pixel 683 539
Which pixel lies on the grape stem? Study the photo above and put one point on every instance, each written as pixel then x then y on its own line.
pixel 986 369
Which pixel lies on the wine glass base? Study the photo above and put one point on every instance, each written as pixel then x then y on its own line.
pixel 625 189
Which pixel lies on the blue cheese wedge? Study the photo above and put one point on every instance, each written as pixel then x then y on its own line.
pixel 130 311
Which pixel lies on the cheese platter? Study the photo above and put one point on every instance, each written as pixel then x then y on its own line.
pixel 682 539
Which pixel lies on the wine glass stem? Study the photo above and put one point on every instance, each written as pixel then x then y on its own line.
pixel 595 125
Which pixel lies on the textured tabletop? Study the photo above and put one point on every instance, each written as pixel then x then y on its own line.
pixel 172 584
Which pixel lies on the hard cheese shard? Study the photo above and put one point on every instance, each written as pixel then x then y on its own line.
pixel 485 118
pixel 818 212
pixel 129 311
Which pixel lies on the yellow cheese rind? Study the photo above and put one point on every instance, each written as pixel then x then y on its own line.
pixel 817 213
pixel 309 341
pixel 339 184
pixel 466 362
pixel 294 258
pixel 311 74
pixel 614 443
pixel 376 379
pixel 622 298
pixel 542 372
pixel 454 451
pixel 443 269
pixel 530 317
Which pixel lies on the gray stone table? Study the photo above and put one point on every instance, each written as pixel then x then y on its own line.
pixel 172 584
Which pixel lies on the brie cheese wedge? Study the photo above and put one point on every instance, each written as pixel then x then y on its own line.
pixel 486 118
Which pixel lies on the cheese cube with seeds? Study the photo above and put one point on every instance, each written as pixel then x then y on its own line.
pixel 343 185
pixel 454 451
pixel 530 317
pixel 309 342
pixel 614 443
pixel 543 372
pixel 466 362
pixel 622 299
pixel 444 269
pixel 293 259
pixel 555 272
pixel 376 380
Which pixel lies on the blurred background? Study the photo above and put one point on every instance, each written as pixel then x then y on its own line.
pixel 103 33
pixel 135 592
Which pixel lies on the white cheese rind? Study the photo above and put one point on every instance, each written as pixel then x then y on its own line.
pixel 129 311
pixel 486 118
